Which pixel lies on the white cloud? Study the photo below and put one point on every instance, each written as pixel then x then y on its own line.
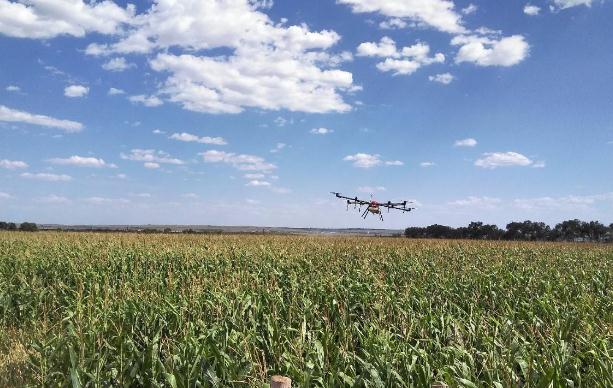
pixel 44 19
pixel 254 176
pixel 115 91
pixel 363 160
pixel 12 115
pixel 151 158
pixel 321 131
pixel 47 177
pixel 190 196
pixel 503 159
pixel 492 50
pixel 438 14
pixel 149 101
pixel 563 4
pixel 404 61
pixel 12 164
pixel 392 24
pixel 188 137
pixel 394 163
pixel 370 189
pixel 531 10
pixel 117 64
pixel 53 199
pixel 82 161
pixel 470 9
pixel 106 201
pixel 258 183
pixel 4 195
pixel 469 142
pixel 241 162
pixel 13 88
pixel 559 203
pixel 121 176
pixel 427 164
pixel 76 91
pixel 476 202
pixel 269 66
pixel 278 147
pixel 443 78
pixel 385 48
pixel 158 132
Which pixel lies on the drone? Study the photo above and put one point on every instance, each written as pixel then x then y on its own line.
pixel 373 206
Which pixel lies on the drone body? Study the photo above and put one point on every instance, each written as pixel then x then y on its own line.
pixel 373 206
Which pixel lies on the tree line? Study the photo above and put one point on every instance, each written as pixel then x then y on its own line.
pixel 571 230
pixel 24 226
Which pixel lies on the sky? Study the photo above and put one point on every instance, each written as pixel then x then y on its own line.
pixel 244 112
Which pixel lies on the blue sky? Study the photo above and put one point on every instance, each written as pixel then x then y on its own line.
pixel 242 112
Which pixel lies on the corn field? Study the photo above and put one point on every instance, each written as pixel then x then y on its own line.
pixel 85 309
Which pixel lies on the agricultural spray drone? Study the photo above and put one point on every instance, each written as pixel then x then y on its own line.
pixel 373 206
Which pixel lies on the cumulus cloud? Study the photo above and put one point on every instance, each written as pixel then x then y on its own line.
pixel 438 14
pixel 394 163
pixel 469 9
pixel 400 61
pixel 115 91
pixel 106 201
pixel 564 4
pixel 392 24
pixel 469 142
pixel 17 116
pixel 477 202
pixel 53 199
pixel 241 162
pixel 188 137
pixel 278 147
pixel 74 91
pixel 531 10
pixel 12 164
pixel 491 50
pixel 82 161
pixel 151 158
pixel 321 131
pixel 47 177
pixel 427 164
pixel 443 78
pixel 370 189
pixel 493 160
pixel 117 64
pixel 363 160
pixel 564 202
pixel 13 88
pixel 44 19
pixel 148 101
pixel 269 66
pixel 258 183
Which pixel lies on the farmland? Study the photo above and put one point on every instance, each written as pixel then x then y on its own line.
pixel 231 310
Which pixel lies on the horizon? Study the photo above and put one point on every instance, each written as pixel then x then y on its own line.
pixel 149 114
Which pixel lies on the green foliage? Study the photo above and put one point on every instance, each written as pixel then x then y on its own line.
pixel 182 310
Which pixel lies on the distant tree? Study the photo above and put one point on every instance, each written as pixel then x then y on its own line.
pixel 28 227
pixel 414 232
pixel 11 226
pixel 439 231
pixel 596 230
pixel 167 230
pixel 4 225
pixel 570 230
pixel 527 230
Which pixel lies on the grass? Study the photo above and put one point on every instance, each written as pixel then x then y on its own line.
pixel 222 310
